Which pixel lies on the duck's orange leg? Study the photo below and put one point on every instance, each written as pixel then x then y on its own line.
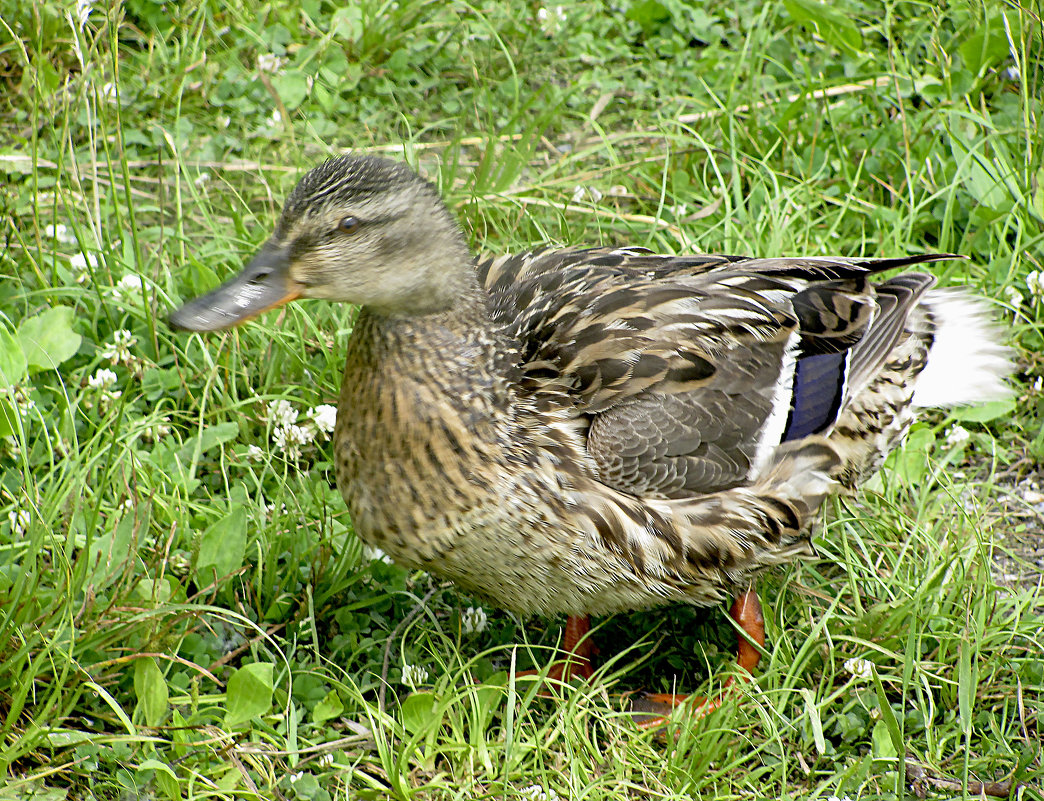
pixel 578 647
pixel 653 708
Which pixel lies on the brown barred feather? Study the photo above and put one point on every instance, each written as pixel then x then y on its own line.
pixel 587 431
pixel 621 473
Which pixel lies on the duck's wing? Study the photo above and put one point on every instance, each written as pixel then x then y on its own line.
pixel 689 372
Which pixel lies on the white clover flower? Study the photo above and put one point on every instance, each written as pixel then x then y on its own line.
pixel 474 620
pixel 551 19
pixel 108 91
pixel 19 520
pixel 1035 284
pixel 103 379
pixel 202 178
pixel 292 438
pixel 118 351
pixel 413 675
pixel 153 432
pixel 325 759
pixel 296 777
pixel 537 793
pixel 276 117
pixel 325 418
pixel 279 438
pixel 862 669
pixel 374 554
pixel 1013 297
pixel 60 233
pixel 80 261
pixel 255 454
pixel 270 63
pixel 128 287
pixel 956 435
pixel 281 413
pixel 581 192
pixel 1038 383
pixel 301 435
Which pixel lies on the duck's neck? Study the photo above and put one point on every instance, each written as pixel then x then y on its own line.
pixel 453 349
pixel 424 415
pixel 420 391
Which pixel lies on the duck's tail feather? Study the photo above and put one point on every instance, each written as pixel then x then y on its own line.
pixel 966 362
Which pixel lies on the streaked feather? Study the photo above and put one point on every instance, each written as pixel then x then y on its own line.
pixel 578 431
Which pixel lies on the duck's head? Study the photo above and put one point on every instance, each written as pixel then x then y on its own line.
pixel 363 230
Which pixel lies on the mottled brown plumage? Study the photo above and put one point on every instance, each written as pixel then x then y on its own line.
pixel 588 431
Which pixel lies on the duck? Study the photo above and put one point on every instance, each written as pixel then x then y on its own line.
pixel 586 431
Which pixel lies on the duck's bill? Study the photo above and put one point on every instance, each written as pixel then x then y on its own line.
pixel 264 284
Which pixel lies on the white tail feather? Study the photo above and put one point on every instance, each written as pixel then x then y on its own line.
pixel 967 362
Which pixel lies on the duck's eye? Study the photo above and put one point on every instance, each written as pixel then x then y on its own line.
pixel 349 225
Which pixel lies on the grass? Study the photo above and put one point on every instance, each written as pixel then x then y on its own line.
pixel 183 615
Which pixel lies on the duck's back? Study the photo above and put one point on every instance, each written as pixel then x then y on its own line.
pixel 690 372
pixel 627 429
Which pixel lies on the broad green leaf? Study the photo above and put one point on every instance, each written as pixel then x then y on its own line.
pixel 292 87
pixel 64 738
pixel 157 382
pixel 833 25
pixel 223 545
pixel 887 735
pixel 8 419
pixel 156 591
pixel 346 23
pixel 910 462
pixel 110 551
pixel 987 46
pixel 249 693
pixel 329 707
pixel 164 776
pixel 984 412
pixel 650 14
pixel 419 712
pixel 151 689
pixel 211 437
pixel 47 339
pixel 884 748
pixel 12 360
pixel 986 177
pixel 308 788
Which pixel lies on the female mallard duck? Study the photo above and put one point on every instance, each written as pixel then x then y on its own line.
pixel 597 430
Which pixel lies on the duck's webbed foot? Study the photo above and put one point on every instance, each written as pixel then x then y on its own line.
pixel 653 709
